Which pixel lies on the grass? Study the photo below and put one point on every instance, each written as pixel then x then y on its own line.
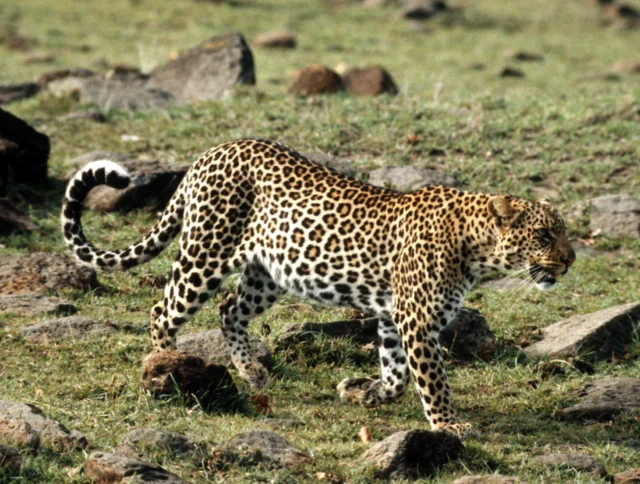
pixel 567 131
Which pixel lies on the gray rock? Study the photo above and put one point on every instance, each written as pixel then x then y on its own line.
pixel 410 453
pixel 30 304
pixel 209 71
pixel 271 446
pixel 339 164
pixel 602 399
pixel 616 215
pixel 43 272
pixel 168 442
pixel 71 327
pixel 628 477
pixel 10 460
pixel 488 479
pixel 50 432
pixel 579 462
pixel 468 337
pixel 211 346
pixel 17 92
pixel 12 219
pixel 18 432
pixel 103 467
pixel 595 335
pixel 408 178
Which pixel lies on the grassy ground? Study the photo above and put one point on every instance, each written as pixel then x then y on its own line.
pixel 567 131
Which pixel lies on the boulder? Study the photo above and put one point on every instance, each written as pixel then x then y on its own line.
pixel 12 219
pixel 278 39
pixel 209 71
pixel 50 432
pixel 10 460
pixel 468 337
pixel 316 79
pixel 616 215
pixel 170 443
pixel 604 398
pixel 18 432
pixel 409 178
pixel 488 479
pixel 211 346
pixel 103 468
pixel 627 477
pixel 41 272
pixel 271 446
pixel 596 335
pixel 72 327
pixel 369 81
pixel 576 461
pixel 27 161
pixel 16 92
pixel 30 304
pixel 411 453
pixel 162 372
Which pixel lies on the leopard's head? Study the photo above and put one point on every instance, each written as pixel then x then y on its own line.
pixel 530 237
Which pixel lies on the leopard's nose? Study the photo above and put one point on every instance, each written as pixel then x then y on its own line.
pixel 570 258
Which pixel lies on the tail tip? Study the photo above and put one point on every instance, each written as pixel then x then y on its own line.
pixel 109 173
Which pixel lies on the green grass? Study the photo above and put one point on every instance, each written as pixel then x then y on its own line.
pixel 567 131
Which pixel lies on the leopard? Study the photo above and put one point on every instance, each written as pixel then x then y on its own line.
pixel 288 225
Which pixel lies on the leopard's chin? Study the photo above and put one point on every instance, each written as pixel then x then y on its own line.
pixel 544 279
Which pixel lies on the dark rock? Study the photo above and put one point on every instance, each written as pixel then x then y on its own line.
pixel 423 9
pixel 616 215
pixel 410 178
pixel 345 167
pixel 162 440
pixel 10 460
pixel 272 446
pixel 30 304
pixel 510 72
pixel 12 219
pixel 16 92
pixel 488 479
pixel 369 81
pixel 28 161
pixel 50 432
pixel 316 79
pixel 211 346
pixel 595 336
pixel 579 462
pixel 627 477
pixel 41 272
pixel 281 40
pixel 72 327
pixel 18 432
pixel 602 399
pixel 209 71
pixel 468 337
pixel 162 372
pixel 410 453
pixel 105 468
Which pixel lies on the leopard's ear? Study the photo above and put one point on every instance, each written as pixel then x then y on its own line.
pixel 502 210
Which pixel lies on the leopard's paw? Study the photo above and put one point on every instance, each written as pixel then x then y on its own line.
pixel 462 430
pixel 255 375
pixel 360 391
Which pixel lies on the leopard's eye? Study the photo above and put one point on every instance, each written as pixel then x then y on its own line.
pixel 544 234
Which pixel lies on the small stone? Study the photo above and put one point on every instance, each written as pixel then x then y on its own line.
pixel 627 477
pixel 211 346
pixel 468 337
pixel 616 215
pixel 369 81
pixel 510 72
pixel 272 446
pixel 168 442
pixel 489 479
pixel 61 329
pixel 409 178
pixel 10 460
pixel 280 40
pixel 103 468
pixel 316 79
pixel 406 454
pixel 18 432
pixel 579 462
pixel 13 219
pixel 604 398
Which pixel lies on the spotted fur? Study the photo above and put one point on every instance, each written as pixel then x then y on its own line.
pixel 294 226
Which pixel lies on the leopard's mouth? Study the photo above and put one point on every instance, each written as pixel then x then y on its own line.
pixel 543 277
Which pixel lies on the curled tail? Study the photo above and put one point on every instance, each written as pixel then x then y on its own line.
pixel 110 174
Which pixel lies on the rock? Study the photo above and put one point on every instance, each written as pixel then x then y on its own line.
pixel 627 477
pixel 12 219
pixel 162 372
pixel 362 331
pixel 604 398
pixel 316 79
pixel 72 327
pixel 627 66
pixel 408 178
pixel 345 167
pixel 28 161
pixel 423 9
pixel 18 432
pixel 616 215
pixel 522 56
pixel 272 446
pixel 41 272
pixel 168 442
pixel 468 337
pixel 209 71
pixel 406 454
pixel 369 81
pixel 129 95
pixel 50 432
pixel 211 346
pixel 10 460
pixel 510 72
pixel 631 443
pixel 17 92
pixel 279 39
pixel 488 479
pixel 48 77
pixel 105 468
pixel 30 304
pixel 579 462
pixel 598 335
